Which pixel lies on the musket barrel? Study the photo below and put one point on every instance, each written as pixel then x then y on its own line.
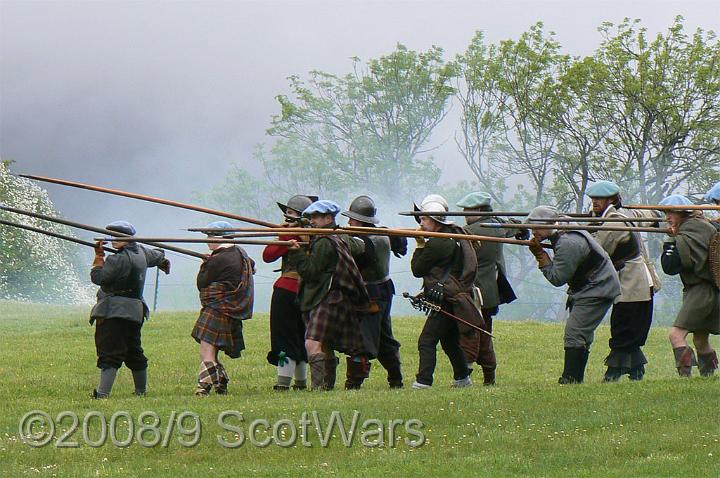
pixel 145 197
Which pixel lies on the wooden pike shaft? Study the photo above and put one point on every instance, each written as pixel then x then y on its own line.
pixel 99 230
pixel 374 231
pixel 54 234
pixel 577 218
pixel 194 240
pixel 569 227
pixel 478 213
pixel 144 197
pixel 657 207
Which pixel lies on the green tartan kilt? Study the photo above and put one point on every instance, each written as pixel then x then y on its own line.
pixel 336 323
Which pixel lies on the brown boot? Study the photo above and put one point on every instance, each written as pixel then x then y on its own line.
pixel 488 375
pixel 684 360
pixel 707 363
pixel 317 371
pixel 358 369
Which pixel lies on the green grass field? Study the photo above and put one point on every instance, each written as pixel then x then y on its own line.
pixel 526 426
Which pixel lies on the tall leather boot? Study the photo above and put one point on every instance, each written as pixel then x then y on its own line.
pixel 358 369
pixel 391 363
pixel 707 363
pixel 684 360
pixel 331 363
pixel 584 356
pixel 574 368
pixel 317 371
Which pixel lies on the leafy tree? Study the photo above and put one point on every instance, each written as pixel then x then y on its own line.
pixel 368 129
pixel 35 266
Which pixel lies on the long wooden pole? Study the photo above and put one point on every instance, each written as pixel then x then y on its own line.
pixel 145 197
pixel 478 213
pixel 194 240
pixel 372 231
pixel 570 227
pixel 560 219
pixel 54 234
pixel 99 230
pixel 692 207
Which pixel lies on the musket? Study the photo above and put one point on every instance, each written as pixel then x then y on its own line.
pixel 569 227
pixel 428 307
pixel 573 218
pixel 479 213
pixel 367 231
pixel 145 197
pixel 692 207
pixel 54 234
pixel 194 240
pixel 99 230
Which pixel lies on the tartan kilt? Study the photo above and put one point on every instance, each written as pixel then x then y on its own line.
pixel 336 324
pixel 219 330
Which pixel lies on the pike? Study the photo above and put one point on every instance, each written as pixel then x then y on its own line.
pixel 99 230
pixel 54 234
pixel 145 197
pixel 571 218
pixel 692 207
pixel 569 227
pixel 366 231
pixel 194 240
pixel 478 213
pixel 425 306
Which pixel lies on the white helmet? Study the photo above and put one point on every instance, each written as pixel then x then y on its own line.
pixel 434 203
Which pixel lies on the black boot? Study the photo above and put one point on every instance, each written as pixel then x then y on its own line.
pixel 488 375
pixel 707 364
pixel 637 373
pixel 574 368
pixel 684 360
pixel 331 363
pixel 612 374
pixel 391 363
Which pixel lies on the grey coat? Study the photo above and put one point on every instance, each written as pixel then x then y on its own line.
pixel 491 260
pixel 121 281
pixel 571 248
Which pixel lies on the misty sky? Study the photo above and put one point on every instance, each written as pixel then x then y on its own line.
pixel 162 97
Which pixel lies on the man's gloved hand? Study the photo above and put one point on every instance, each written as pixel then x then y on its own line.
pixel 165 266
pixel 542 257
pixel 99 254
pixel 523 235
pixel 419 242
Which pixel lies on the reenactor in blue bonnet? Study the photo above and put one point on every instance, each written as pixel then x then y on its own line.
pixel 713 197
pixel 225 282
pixel 687 254
pixel 632 312
pixel 593 284
pixel 120 310
pixel 374 265
pixel 332 294
pixel 490 277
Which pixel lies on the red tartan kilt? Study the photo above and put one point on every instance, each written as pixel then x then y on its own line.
pixel 219 330
pixel 336 323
